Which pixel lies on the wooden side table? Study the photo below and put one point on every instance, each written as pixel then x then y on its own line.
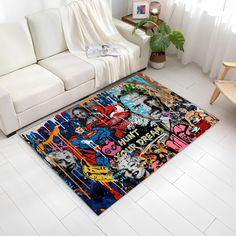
pixel 129 19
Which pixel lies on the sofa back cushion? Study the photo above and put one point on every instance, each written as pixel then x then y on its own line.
pixel 47 33
pixel 16 48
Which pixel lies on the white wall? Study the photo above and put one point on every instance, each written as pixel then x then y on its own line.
pixel 124 7
pixel 14 9
pixel 120 8
pixel 163 4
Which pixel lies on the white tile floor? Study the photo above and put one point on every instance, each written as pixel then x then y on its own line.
pixel 193 194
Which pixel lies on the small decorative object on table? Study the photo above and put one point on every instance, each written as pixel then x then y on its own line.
pixel 160 40
pixel 155 10
pixel 102 51
pixel 140 9
pixel 146 27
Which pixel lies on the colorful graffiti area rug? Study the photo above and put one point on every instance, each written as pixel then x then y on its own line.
pixel 107 144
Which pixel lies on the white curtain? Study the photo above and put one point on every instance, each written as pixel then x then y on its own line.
pixel 209 27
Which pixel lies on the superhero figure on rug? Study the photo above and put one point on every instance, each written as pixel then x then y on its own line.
pixel 89 141
pixel 105 116
pixel 109 117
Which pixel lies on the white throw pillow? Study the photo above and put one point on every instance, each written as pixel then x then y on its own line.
pixel 16 47
pixel 47 33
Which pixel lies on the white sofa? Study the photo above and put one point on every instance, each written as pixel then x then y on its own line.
pixel 38 75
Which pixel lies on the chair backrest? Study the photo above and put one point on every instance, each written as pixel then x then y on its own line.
pixel 16 47
pixel 47 33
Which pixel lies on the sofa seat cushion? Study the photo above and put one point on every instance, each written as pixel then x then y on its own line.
pixel 31 86
pixel 70 69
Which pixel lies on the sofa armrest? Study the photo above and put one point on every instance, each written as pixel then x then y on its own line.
pixel 8 118
pixel 139 38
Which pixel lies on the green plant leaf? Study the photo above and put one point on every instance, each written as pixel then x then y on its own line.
pixel 141 23
pixel 162 37
pixel 177 39
pixel 159 43
pixel 164 28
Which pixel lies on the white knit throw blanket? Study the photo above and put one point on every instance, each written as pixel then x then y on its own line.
pixel 89 23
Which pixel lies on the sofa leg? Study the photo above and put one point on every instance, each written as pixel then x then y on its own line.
pixel 11 134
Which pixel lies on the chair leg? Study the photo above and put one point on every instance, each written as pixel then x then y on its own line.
pixel 216 93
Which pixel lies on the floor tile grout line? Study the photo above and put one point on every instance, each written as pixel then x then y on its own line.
pixel 135 200
pixel 20 211
pixel 185 174
pixel 222 163
pixel 149 213
pixel 229 205
pixel 72 232
pixel 4 163
pixel 2 231
pixel 105 234
pixel 178 211
pixel 68 229
pixel 213 221
pixel 202 157
pixel 219 198
pixel 196 161
pixel 219 141
pixel 152 215
pixel 81 209
pixel 193 199
pixel 5 160
pixel 123 220
pixel 200 204
pixel 224 225
pixel 175 179
pixel 35 194
pixel 204 209
pixel 69 213
pixel 213 155
pixel 29 185
pixel 220 178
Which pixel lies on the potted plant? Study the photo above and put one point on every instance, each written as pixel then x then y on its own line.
pixel 160 39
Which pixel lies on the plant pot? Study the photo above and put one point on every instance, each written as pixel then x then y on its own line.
pixel 158 60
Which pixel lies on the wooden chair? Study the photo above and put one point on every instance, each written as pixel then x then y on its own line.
pixel 228 88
